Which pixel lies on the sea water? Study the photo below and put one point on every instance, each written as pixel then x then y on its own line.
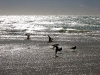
pixel 53 25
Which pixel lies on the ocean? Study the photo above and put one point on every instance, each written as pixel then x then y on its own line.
pixel 41 26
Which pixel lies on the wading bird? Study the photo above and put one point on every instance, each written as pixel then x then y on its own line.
pixel 28 36
pixel 73 48
pixel 50 39
pixel 56 49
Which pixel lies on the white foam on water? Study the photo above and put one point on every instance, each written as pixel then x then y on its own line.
pixel 39 28
pixel 56 29
pixel 70 29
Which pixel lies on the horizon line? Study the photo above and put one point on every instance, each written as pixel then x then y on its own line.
pixel 47 15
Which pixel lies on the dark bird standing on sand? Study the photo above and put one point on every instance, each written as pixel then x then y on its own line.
pixel 28 36
pixel 57 48
pixel 73 48
pixel 50 39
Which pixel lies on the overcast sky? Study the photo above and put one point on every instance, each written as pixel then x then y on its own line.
pixel 49 7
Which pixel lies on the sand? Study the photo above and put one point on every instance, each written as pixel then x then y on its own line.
pixel 35 57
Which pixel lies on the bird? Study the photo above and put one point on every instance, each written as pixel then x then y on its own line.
pixel 50 39
pixel 28 36
pixel 73 48
pixel 57 48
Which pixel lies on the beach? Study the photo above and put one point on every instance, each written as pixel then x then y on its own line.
pixel 35 57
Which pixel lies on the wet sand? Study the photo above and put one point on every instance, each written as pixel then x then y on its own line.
pixel 35 57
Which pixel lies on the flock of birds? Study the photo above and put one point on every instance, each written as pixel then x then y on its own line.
pixel 55 46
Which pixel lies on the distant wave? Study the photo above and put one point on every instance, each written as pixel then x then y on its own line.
pixel 73 31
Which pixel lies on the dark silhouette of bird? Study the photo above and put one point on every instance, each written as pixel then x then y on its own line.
pixel 56 48
pixel 73 48
pixel 28 36
pixel 59 49
pixel 50 39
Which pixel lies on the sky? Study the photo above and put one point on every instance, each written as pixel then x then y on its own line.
pixel 49 7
